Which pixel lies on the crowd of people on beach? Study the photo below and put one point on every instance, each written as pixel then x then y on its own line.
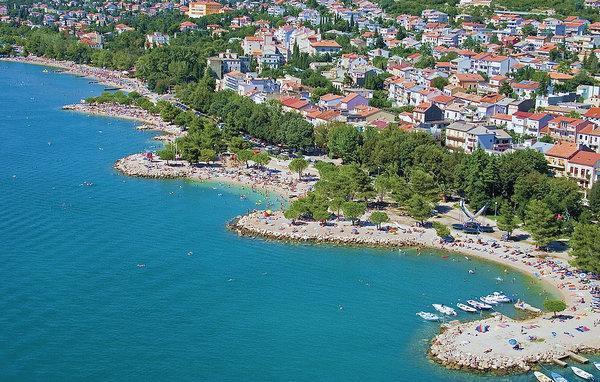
pixel 151 121
pixel 106 77
pixel 275 179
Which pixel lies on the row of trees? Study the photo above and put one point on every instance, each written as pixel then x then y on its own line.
pixel 239 114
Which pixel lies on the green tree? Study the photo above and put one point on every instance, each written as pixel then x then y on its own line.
pixel 244 156
pixel 292 213
pixel 585 245
pixel 439 82
pixel 353 210
pixel 167 153
pixel 379 217
pixel 594 199
pixel 441 230
pixel 298 165
pixel 419 208
pixel 261 158
pixel 506 89
pixel 208 155
pixel 507 221
pixel 344 142
pixel 422 183
pixel 540 222
pixel 554 306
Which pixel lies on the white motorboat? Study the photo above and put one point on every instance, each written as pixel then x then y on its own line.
pixel 541 377
pixel 428 316
pixel 466 308
pixel 597 364
pixel 479 305
pixel 501 297
pixel 444 309
pixel 582 373
pixel 489 300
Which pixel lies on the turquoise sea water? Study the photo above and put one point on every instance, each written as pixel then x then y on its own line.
pixel 75 305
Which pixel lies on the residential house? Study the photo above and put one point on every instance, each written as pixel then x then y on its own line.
pixel 590 136
pixel 558 157
pixel 566 128
pixel 325 47
pixel 228 62
pixel 427 112
pixel 470 136
pixel 584 167
pixel 467 81
pixel 198 9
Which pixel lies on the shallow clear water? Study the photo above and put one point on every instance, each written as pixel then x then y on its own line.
pixel 76 306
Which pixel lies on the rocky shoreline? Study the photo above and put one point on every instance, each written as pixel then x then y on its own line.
pixel 281 182
pixel 133 113
pixel 459 345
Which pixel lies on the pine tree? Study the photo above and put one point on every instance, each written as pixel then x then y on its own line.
pixel 541 223
pixel 507 220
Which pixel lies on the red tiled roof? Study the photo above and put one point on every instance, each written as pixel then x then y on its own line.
pixel 563 150
pixel 594 112
pixel 325 44
pixel 585 158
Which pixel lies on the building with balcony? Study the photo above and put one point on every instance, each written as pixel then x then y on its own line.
pixel 203 8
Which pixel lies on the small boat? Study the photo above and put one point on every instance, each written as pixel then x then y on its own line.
pixel 471 271
pixel 500 297
pixel 489 300
pixel 582 374
pixel 542 377
pixel 558 378
pixel 479 305
pixel 525 306
pixel 597 364
pixel 444 309
pixel 428 316
pixel 466 308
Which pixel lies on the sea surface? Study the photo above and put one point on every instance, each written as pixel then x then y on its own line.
pixel 135 279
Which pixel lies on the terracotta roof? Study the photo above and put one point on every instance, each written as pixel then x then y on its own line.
pixel 469 77
pixel 594 112
pixel 559 76
pixel 585 158
pixel 442 98
pixel 325 44
pixel 330 97
pixel 527 85
pixel 294 103
pixel 563 150
pixel 504 117
pixel 591 129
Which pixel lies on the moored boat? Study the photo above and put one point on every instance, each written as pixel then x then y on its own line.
pixel 428 316
pixel 597 364
pixel 558 378
pixel 479 305
pixel 466 308
pixel 582 374
pixel 525 306
pixel 488 300
pixel 501 297
pixel 542 377
pixel 444 309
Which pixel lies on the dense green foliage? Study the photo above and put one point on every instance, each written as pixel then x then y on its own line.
pixel 555 306
pixel 585 244
pixel 240 114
